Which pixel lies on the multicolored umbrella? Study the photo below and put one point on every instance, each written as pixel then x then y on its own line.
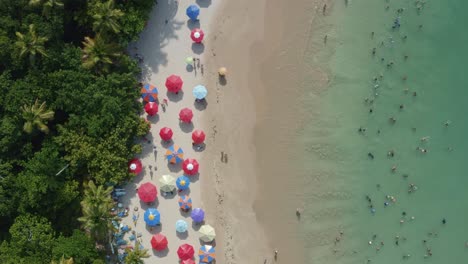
pixel 174 154
pixel 207 233
pixel 185 251
pixel 186 115
pixel 193 11
pixel 197 35
pixel 188 261
pixel 181 226
pixel 198 215
pixel 199 92
pixel 165 133
pixel 151 108
pixel 185 202
pixel 147 192
pixel 168 183
pixel 152 217
pixel 149 93
pixel 135 166
pixel 206 254
pixel 159 242
pixel 183 182
pixel 174 83
pixel 198 136
pixel 190 166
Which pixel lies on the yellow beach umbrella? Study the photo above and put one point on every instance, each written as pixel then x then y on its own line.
pixel 207 233
pixel 168 183
pixel 222 71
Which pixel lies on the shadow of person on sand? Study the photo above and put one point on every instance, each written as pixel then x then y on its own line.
pixel 192 24
pixel 175 97
pixel 186 127
pixel 203 3
pixel 162 253
pixel 198 48
pixel 200 105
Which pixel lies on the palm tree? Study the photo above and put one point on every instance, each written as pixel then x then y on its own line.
pixel 36 115
pixel 99 55
pixel 96 206
pixel 135 256
pixel 31 44
pixel 106 17
pixel 63 261
pixel 47 5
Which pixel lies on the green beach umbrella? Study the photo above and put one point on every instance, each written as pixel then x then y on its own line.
pixel 207 233
pixel 168 183
pixel 189 60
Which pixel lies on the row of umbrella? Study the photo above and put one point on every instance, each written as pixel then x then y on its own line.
pixel 198 136
pixel 148 191
pixel 185 252
pixel 149 92
pixel 152 217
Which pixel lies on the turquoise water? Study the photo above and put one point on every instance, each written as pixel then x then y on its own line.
pixel 337 155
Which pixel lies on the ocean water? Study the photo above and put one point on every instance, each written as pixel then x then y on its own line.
pixel 426 95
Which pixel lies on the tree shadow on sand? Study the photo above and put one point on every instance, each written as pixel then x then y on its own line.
pixel 203 3
pixel 198 48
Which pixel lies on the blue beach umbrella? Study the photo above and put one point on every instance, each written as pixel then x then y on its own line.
pixel 152 217
pixel 193 11
pixel 199 92
pixel 183 182
pixel 181 226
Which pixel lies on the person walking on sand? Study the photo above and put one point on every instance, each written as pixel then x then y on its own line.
pixel 276 254
pixel 324 9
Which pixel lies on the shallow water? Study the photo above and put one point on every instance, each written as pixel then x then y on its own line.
pixel 338 166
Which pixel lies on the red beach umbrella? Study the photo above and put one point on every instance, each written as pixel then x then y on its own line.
pixel 151 108
pixel 165 133
pixel 174 83
pixel 186 115
pixel 147 192
pixel 198 136
pixel 135 166
pixel 159 242
pixel 185 252
pixel 188 261
pixel 197 35
pixel 190 166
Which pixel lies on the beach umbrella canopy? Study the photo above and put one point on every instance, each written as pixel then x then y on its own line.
pixel 193 11
pixel 174 83
pixel 159 242
pixel 152 217
pixel 151 108
pixel 166 133
pixel 181 226
pixel 149 93
pixel 189 60
pixel 222 71
pixel 185 202
pixel 207 233
pixel 135 166
pixel 188 261
pixel 199 92
pixel 197 35
pixel 198 215
pixel 206 254
pixel 183 182
pixel 198 136
pixel 167 183
pixel 190 166
pixel 174 154
pixel 185 251
pixel 147 192
pixel 186 115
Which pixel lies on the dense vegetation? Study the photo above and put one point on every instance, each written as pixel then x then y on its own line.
pixel 68 103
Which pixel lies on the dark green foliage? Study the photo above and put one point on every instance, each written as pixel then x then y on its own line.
pixel 94 125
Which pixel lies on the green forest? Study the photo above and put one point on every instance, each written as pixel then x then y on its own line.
pixel 69 123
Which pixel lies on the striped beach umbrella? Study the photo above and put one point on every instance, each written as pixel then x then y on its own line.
pixel 206 254
pixel 207 233
pixel 159 242
pixel 185 202
pixel 186 115
pixel 197 35
pixel 193 11
pixel 183 182
pixel 135 166
pixel 197 215
pixel 152 217
pixel 167 183
pixel 166 133
pixel 185 251
pixel 174 83
pixel 190 166
pixel 151 108
pixel 199 92
pixel 174 154
pixel 181 226
pixel 147 192
pixel 149 93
